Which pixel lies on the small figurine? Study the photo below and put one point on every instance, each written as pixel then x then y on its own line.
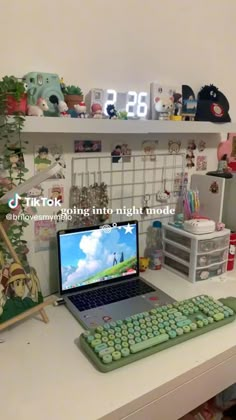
pixel 62 84
pixel 177 107
pixel 111 111
pixel 212 105
pixel 220 226
pixel 164 107
pixel 96 110
pixel 80 109
pixel 143 263
pixel 38 109
pixel 63 109
pixel 122 115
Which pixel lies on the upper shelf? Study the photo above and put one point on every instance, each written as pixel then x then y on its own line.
pixel 105 126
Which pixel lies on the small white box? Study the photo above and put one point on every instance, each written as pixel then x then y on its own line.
pixel 199 226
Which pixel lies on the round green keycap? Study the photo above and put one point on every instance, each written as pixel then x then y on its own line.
pixel 158 316
pixel 154 322
pixel 143 338
pixel 205 321
pixel 172 334
pixel 106 327
pixel 125 352
pixel 130 336
pixel 154 328
pixel 193 326
pixel 161 325
pixel 200 317
pixel 118 335
pixel 149 324
pixel 179 331
pixel 150 335
pixel 105 339
pixel 116 355
pixel 149 329
pixel 171 321
pixel 153 311
pixel 90 338
pixel 185 312
pixel 138 339
pixel 200 323
pixel 95 342
pixel 100 347
pixel 174 326
pixel 112 324
pixel 171 316
pixel 129 325
pixel 111 337
pixel 230 311
pixel 137 334
pixel 162 331
pixel 105 333
pixel 164 308
pixel 137 328
pixel 186 328
pixel 130 330
pixel 119 323
pixel 97 336
pixel 210 320
pixel 141 321
pixel 168 329
pixel 153 317
pixel 99 329
pixel 211 313
pixel 124 344
pixel 134 317
pixel 136 323
pixel 147 319
pixel 226 314
pixel 145 314
pixel 191 311
pixel 110 343
pixel 124 338
pixel 117 329
pixel 107 358
pixel 86 334
pixel 140 316
pixel 219 316
pixel 155 333
pixel 169 306
pixel 143 331
pixel 104 352
pixel 166 323
pixel 124 327
pixel 128 320
pixel 125 332
pixel 117 340
pixel 131 342
pixel 118 347
pixel 164 314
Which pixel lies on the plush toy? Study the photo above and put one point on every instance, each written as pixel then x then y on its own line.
pixel 96 110
pixel 111 111
pixel 63 109
pixel 164 107
pixel 80 109
pixel 38 109
pixel 174 146
pixel 212 105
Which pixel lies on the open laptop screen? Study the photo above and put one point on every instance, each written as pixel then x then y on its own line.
pixel 89 256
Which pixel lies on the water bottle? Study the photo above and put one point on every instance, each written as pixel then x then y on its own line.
pixel 154 246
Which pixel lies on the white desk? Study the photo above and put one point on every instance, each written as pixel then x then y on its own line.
pixel 45 376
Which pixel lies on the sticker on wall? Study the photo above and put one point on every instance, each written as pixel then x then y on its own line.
pixel 201 163
pixel 121 152
pixel 44 231
pixel 56 192
pixel 174 146
pixel 190 159
pixel 201 145
pixel 191 145
pixel 149 150
pixel 46 156
pixel 35 192
pixel 214 187
pixel 85 146
pixel 180 181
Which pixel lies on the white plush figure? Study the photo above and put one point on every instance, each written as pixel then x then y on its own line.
pixel 37 110
pixel 164 107
pixel 163 196
pixel 80 109
pixel 63 108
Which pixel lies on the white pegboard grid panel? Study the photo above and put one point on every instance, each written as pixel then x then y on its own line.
pixel 130 180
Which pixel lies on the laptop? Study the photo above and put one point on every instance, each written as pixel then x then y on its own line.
pixel 99 274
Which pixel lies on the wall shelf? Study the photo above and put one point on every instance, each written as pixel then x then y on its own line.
pixel 105 126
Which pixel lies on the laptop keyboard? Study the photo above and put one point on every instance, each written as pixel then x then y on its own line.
pixel 110 294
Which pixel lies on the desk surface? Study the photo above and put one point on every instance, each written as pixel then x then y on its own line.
pixel 45 376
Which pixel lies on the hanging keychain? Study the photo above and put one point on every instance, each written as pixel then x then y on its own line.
pixel 163 195
pixel 145 204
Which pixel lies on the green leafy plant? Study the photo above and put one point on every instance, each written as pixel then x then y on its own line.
pixel 73 90
pixel 10 85
pixel 12 148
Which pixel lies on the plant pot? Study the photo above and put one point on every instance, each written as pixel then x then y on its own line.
pixel 72 100
pixel 16 106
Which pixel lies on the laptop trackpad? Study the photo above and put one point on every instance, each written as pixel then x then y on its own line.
pixel 117 310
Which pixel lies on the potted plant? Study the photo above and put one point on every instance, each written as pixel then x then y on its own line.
pixel 12 91
pixel 73 95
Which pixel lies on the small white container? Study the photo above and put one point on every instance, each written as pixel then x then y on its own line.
pixel 195 257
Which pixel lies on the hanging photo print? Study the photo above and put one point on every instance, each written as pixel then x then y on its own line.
pixel 46 156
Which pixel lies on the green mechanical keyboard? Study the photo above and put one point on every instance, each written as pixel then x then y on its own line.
pixel 116 344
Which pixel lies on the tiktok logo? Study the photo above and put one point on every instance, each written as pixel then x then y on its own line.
pixel 13 202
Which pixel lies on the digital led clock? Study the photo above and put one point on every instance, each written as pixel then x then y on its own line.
pixel 136 104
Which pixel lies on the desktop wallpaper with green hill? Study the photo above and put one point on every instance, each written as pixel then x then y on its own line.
pixel 96 255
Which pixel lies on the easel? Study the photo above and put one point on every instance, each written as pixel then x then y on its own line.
pixel 37 309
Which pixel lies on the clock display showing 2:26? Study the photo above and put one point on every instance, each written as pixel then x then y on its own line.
pixel 136 104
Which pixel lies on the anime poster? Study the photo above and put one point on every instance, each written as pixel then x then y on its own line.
pixel 46 156
pixel 87 146
pixel 121 152
pixel 44 232
pixel 201 163
pixel 56 192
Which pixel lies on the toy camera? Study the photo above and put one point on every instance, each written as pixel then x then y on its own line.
pixel 46 86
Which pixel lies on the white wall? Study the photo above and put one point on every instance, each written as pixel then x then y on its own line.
pixel 125 44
